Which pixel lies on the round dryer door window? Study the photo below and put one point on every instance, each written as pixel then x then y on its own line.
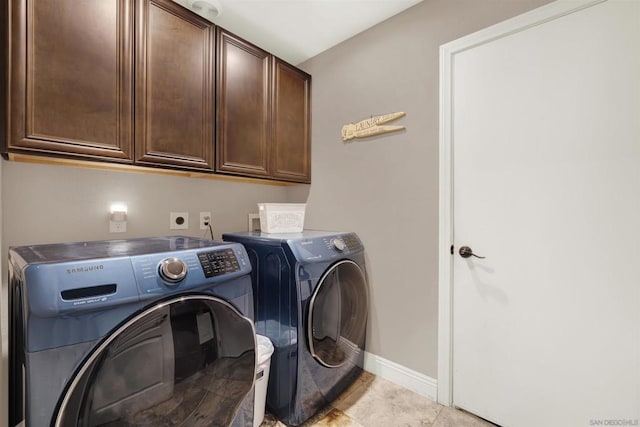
pixel 338 314
pixel 185 361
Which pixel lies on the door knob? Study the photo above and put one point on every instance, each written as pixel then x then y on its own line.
pixel 466 252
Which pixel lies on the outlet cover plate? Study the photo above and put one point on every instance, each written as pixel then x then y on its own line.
pixel 117 226
pixel 203 217
pixel 178 220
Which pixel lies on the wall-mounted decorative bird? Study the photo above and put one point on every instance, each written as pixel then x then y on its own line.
pixel 371 126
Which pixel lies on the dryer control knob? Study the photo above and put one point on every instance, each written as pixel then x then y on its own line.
pixel 173 270
pixel 338 244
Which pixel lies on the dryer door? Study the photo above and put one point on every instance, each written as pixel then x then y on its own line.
pixel 189 361
pixel 338 314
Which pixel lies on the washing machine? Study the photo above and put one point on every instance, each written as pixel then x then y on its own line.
pixel 153 331
pixel 311 300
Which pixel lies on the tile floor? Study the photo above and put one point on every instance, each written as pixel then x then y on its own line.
pixel 375 402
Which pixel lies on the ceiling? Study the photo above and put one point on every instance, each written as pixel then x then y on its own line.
pixel 296 30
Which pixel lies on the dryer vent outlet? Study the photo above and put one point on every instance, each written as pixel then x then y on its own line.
pixel 178 220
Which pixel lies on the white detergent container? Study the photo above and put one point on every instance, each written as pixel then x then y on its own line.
pixel 264 348
pixel 281 217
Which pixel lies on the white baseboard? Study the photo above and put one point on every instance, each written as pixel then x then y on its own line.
pixel 398 374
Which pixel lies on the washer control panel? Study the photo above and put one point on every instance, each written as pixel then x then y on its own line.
pixel 191 269
pixel 173 270
pixel 96 275
pixel 218 262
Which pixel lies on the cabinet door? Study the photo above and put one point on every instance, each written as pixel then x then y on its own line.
pixel 291 123
pixel 243 110
pixel 70 78
pixel 174 87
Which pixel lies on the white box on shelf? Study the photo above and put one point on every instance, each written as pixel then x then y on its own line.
pixel 281 217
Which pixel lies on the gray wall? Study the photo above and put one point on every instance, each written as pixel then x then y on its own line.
pixel 386 188
pixel 44 203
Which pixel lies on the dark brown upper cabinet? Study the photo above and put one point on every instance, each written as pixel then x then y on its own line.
pixel 243 107
pixel 291 123
pixel 151 83
pixel 263 113
pixel 174 108
pixel 70 78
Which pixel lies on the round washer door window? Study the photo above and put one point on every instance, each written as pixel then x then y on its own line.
pixel 338 314
pixel 185 361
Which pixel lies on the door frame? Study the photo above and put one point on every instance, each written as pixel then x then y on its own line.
pixel 448 52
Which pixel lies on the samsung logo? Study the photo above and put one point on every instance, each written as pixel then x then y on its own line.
pixel 85 269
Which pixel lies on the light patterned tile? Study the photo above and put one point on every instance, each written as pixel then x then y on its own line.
pixel 379 402
pixel 450 417
pixel 333 418
pixel 330 417
pixel 360 387
pixel 374 402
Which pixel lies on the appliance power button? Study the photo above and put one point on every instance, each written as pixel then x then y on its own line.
pixel 173 270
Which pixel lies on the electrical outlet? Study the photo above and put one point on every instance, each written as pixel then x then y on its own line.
pixel 205 220
pixel 117 226
pixel 178 220
pixel 118 219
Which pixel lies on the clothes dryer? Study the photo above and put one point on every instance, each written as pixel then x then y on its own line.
pixel 311 300
pixel 154 331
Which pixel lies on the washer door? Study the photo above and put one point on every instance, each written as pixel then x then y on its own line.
pixel 185 361
pixel 338 314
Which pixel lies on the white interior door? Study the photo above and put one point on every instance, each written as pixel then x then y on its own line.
pixel 546 185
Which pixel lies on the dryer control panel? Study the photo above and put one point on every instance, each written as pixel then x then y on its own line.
pixel 326 247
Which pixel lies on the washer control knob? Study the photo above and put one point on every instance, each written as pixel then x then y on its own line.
pixel 338 244
pixel 173 270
